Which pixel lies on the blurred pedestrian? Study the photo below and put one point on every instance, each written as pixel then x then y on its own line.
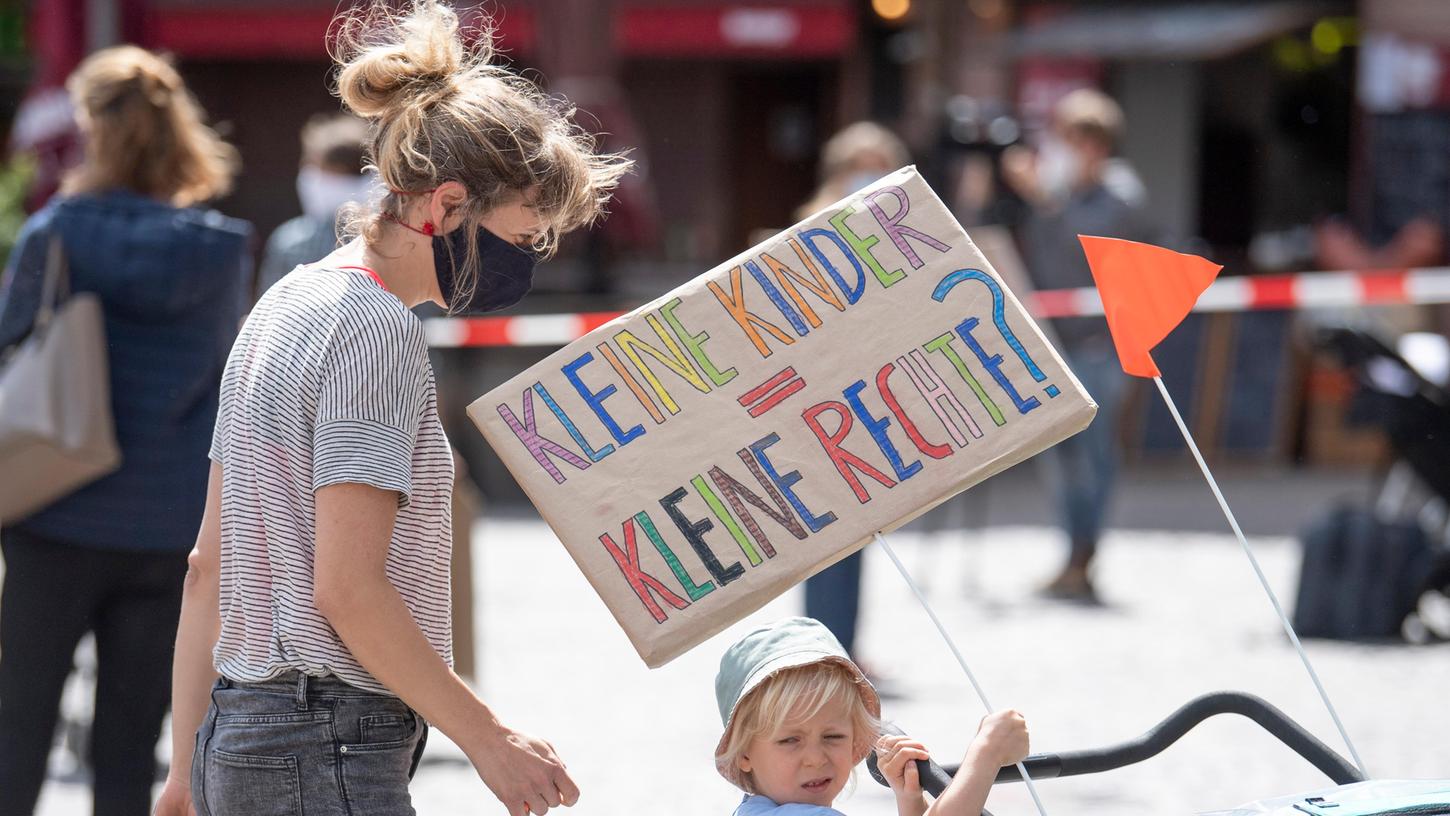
pixel 110 558
pixel 851 160
pixel 1075 185
pixel 318 597
pixel 333 175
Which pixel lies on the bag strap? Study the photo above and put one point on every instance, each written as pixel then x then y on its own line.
pixel 56 288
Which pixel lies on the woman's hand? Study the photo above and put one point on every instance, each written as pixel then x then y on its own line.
pixel 523 772
pixel 352 590
pixel 896 756
pixel 175 799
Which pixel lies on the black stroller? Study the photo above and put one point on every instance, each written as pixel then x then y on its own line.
pixel 1346 590
pixel 1351 796
pixel 1366 570
pixel 1413 411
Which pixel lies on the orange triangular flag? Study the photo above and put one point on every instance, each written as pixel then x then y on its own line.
pixel 1147 291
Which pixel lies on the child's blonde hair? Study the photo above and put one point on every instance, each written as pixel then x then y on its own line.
pixel 793 695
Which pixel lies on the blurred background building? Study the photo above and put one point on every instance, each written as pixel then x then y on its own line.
pixel 1273 136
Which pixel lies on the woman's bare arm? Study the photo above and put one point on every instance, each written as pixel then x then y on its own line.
pixel 192 672
pixel 352 590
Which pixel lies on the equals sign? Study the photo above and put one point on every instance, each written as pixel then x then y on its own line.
pixel 770 393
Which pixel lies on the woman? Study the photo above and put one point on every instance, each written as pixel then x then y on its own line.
pixel 318 589
pixel 110 557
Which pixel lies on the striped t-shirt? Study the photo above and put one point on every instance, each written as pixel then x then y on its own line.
pixel 329 382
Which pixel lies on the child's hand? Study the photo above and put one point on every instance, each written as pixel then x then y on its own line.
pixel 1001 738
pixel 896 757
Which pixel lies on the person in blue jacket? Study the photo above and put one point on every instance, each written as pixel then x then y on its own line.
pixel 110 558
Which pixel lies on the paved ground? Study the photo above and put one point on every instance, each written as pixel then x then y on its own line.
pixel 1184 616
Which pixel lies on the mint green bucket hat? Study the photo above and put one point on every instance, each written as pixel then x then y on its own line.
pixel 770 649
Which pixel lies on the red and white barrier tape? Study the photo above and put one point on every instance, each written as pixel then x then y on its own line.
pixel 1310 290
pixel 523 330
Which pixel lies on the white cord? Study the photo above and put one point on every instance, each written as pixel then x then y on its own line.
pixel 972 678
pixel 1263 581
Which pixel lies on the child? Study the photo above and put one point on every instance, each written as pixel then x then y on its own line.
pixel 799 716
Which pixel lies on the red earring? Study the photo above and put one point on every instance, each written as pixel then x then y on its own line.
pixel 426 229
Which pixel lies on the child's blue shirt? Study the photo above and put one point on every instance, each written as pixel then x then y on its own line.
pixel 758 805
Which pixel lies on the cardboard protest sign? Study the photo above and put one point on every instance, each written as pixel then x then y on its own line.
pixel 705 452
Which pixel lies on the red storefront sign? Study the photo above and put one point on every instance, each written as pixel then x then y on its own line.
pixel 821 30
pixel 261 32
pixel 826 28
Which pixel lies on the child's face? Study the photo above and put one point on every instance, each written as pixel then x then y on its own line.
pixel 804 761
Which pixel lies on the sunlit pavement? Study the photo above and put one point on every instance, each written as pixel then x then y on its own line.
pixel 1183 616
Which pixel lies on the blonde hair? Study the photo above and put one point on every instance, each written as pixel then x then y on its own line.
pixel 441 111
pixel 842 149
pixel 144 131
pixel 840 153
pixel 1091 113
pixel 794 695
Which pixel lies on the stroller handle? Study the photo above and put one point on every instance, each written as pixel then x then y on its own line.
pixel 935 778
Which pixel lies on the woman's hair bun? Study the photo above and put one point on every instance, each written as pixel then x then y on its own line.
pixel 442 112
pixel 389 60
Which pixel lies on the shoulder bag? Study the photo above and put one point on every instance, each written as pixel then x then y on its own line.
pixel 56 429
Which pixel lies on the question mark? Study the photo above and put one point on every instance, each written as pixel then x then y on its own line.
pixel 993 362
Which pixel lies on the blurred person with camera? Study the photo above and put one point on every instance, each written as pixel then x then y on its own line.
pixel 1075 185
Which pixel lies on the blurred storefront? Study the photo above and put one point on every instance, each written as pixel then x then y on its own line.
pixel 1240 118
pixel 1242 127
pixel 724 103
pixel 1399 191
pixel 1237 121
pixel 1258 128
pixel 1404 93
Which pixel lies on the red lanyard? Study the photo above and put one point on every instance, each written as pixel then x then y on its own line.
pixel 371 274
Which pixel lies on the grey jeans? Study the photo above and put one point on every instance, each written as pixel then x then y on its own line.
pixel 298 744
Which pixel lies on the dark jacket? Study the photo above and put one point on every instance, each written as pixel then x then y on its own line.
pixel 173 284
pixel 1055 259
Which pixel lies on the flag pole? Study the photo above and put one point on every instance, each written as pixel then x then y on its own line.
pixel 1258 571
pixel 957 653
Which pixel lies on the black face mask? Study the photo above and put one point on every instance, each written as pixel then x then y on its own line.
pixel 505 271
